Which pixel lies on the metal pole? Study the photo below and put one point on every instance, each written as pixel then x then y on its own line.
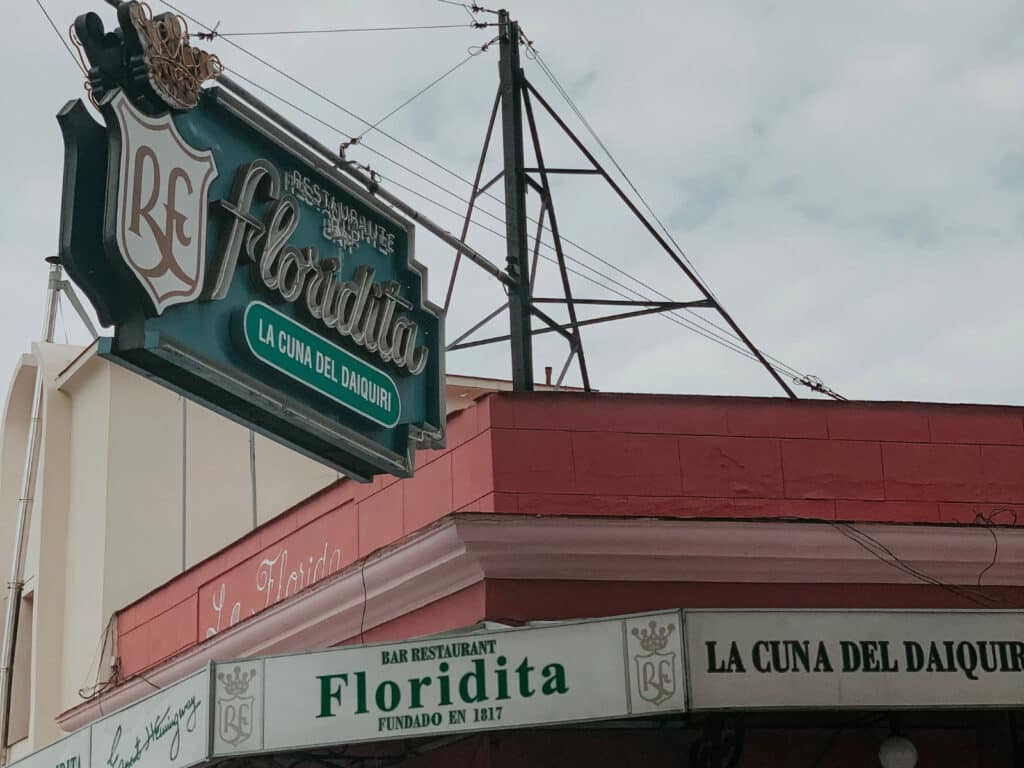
pixel 517 266
pixel 472 199
pixel 16 583
pixel 550 205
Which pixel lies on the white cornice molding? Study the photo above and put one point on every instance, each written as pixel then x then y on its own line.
pixel 737 551
pixel 462 550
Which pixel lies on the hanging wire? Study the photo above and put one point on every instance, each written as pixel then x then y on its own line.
pixel 881 552
pixel 991 521
pixel 671 316
pixel 60 37
pixel 726 342
pixel 811 382
pixel 98 686
pixel 337 30
pixel 736 347
pixel 319 95
pixel 471 7
pixel 720 337
pixel 710 335
pixel 708 328
pixel 411 99
pixel 549 73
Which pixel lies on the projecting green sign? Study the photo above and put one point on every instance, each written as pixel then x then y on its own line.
pixel 320 365
pixel 237 266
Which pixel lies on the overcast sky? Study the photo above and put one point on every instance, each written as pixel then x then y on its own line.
pixel 848 177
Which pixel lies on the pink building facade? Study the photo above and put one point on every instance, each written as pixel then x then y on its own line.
pixel 558 506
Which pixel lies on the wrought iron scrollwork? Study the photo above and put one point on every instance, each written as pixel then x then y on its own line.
pixel 720 745
pixel 148 56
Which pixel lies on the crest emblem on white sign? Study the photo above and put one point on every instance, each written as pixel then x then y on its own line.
pixel 655 669
pixel 161 205
pixel 235 709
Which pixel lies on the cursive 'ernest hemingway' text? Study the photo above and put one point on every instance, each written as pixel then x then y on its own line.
pixel 167 724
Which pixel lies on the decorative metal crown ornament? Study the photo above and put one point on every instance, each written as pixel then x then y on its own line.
pixel 148 56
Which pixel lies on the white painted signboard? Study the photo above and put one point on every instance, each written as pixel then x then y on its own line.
pixel 169 729
pixel 628 666
pixel 861 659
pixel 570 672
pixel 69 752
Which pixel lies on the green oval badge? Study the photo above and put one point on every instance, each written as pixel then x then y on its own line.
pixel 278 341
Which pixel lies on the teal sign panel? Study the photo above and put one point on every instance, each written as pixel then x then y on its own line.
pixel 246 273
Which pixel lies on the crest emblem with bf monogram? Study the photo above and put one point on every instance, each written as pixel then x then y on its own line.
pixel 161 205
pixel 235 710
pixel 656 668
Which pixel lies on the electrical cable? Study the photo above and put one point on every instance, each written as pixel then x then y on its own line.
pixel 681 321
pixel 473 8
pixel 316 93
pixel 362 617
pixel 60 37
pixel 669 315
pixel 336 30
pixel 98 686
pixel 989 522
pixel 682 254
pixel 869 544
pixel 729 342
pixel 534 54
pixel 412 98
pixel 672 316
pixel 586 124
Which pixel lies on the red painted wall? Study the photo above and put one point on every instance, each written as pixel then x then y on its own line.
pixel 745 457
pixel 624 455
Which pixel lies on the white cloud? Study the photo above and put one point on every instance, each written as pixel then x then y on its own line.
pixel 847 177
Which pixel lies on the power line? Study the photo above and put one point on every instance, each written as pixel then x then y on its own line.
pixel 419 194
pixel 683 322
pixel 586 124
pixel 881 552
pixel 415 96
pixel 673 316
pixel 336 30
pixel 470 7
pixel 494 216
pixel 678 319
pixel 317 93
pixel 60 37
pixel 727 342
pixel 808 381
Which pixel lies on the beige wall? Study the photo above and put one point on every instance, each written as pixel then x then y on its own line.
pixel 134 485
pixel 50 552
pixel 143 469
pixel 87 435
pixel 218 483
